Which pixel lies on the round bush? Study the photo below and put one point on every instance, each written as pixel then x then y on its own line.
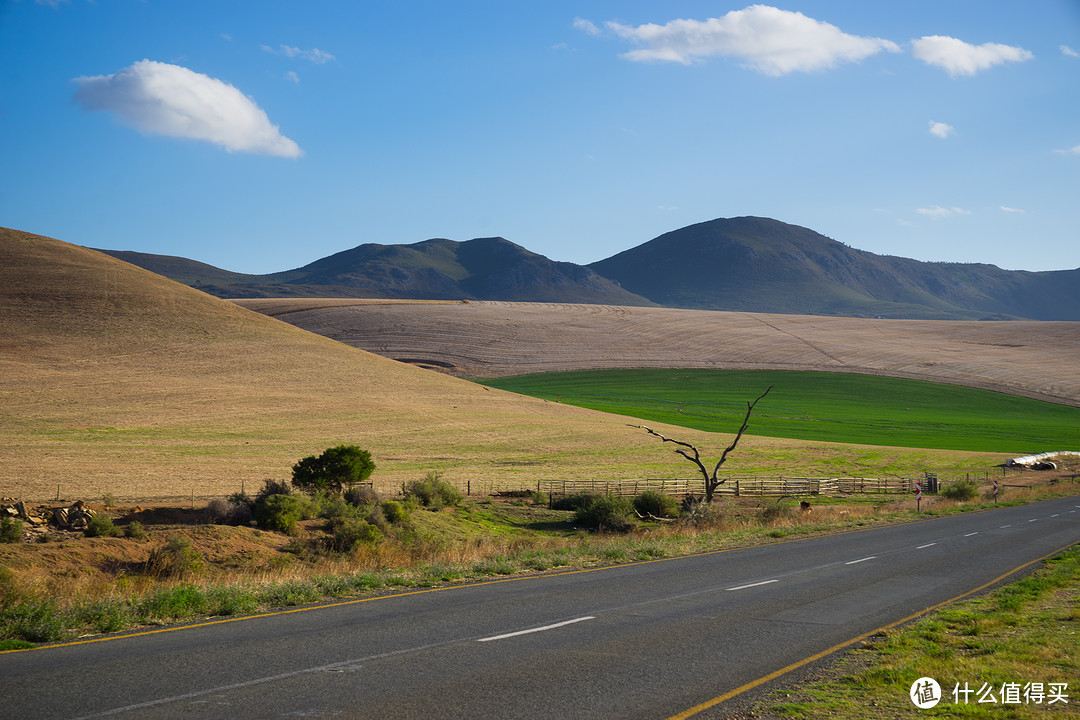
pixel 961 490
pixel 433 492
pixel 606 512
pixel 280 512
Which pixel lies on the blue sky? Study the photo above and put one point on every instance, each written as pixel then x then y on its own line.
pixel 259 136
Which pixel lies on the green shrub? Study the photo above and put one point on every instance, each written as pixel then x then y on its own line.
pixel 337 468
pixel 270 487
pixel 11 530
pixel 135 531
pixel 394 512
pixel 539 498
pixel 606 512
pixel 34 621
pixel 175 559
pixel 656 504
pixel 281 513
pixel 961 490
pixel 434 492
pixel 574 502
pixel 101 525
pixel 348 532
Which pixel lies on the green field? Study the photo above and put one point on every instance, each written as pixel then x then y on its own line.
pixel 835 407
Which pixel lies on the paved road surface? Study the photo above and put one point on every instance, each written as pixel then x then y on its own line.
pixel 649 640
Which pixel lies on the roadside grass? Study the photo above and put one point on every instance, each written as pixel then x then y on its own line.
pixel 42 602
pixel 1026 632
pixel 836 407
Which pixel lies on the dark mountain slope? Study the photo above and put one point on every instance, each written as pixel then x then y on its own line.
pixel 763 265
pixel 480 269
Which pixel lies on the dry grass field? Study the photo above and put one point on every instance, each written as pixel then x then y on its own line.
pixel 115 381
pixel 1040 360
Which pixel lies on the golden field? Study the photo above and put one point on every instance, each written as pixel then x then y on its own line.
pixel 114 380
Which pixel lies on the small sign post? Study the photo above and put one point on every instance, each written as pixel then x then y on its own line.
pixel 995 490
pixel 918 496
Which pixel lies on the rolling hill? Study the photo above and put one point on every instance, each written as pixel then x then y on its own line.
pixel 116 380
pixel 742 264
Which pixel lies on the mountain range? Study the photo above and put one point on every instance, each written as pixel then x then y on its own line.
pixel 749 264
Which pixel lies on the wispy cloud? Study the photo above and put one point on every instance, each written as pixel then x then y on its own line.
pixel 1069 52
pixel 939 212
pixel 941 130
pixel 586 26
pixel 292 77
pixel 1070 151
pixel 1013 210
pixel 957 57
pixel 314 55
pixel 162 99
pixel 772 41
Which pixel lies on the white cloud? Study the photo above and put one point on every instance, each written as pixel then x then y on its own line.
pixel 772 41
pixel 314 55
pixel 1069 52
pixel 586 26
pixel 1013 210
pixel 957 57
pixel 941 130
pixel 292 77
pixel 1070 151
pixel 161 99
pixel 939 212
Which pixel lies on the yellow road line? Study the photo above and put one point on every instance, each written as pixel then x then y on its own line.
pixel 840 646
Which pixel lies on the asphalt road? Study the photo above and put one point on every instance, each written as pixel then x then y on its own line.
pixel 656 639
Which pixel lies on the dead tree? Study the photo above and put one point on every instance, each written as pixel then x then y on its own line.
pixel 711 481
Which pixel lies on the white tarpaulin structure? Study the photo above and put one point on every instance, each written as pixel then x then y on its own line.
pixel 1039 459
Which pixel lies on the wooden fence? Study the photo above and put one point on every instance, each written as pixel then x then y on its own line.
pixel 756 486
pixel 667 486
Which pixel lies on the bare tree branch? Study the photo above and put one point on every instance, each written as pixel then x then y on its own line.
pixel 696 459
pixel 746 421
pixel 711 481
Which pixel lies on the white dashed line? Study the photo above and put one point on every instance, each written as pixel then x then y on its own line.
pixel 536 630
pixel 970 534
pixel 1005 526
pixel 1055 515
pixel 852 562
pixel 920 547
pixel 743 587
pixel 1033 520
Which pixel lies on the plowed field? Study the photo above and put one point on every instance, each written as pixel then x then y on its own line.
pixel 492 339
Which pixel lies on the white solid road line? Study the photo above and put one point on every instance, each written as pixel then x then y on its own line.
pixel 852 562
pixel 537 629
pixel 743 587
